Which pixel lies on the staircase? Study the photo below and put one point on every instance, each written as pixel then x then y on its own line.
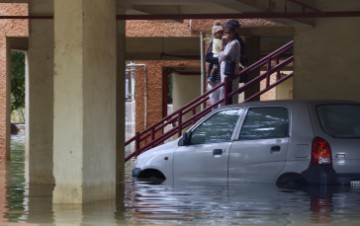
pixel 181 119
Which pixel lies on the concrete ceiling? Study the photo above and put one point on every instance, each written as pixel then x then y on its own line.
pixel 290 12
pixel 186 7
pixel 221 7
pixel 209 7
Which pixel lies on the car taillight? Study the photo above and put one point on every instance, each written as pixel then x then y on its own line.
pixel 321 152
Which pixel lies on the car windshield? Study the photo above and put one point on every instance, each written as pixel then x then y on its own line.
pixel 340 120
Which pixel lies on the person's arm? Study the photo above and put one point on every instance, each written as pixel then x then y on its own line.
pixel 209 57
pixel 226 53
pixel 213 70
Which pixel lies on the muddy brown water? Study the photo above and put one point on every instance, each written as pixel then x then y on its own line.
pixel 141 203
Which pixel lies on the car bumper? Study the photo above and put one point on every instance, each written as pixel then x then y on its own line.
pixel 326 175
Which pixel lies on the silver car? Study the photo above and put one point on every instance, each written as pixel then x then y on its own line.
pixel 281 142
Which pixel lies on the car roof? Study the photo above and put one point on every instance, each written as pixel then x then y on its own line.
pixel 289 103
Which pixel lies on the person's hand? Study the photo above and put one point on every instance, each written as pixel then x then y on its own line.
pixel 225 39
pixel 211 79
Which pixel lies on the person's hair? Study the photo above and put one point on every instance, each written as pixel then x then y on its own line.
pixel 231 27
pixel 234 23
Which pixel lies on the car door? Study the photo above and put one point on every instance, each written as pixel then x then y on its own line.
pixel 205 158
pixel 259 153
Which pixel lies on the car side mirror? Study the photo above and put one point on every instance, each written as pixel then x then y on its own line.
pixel 185 140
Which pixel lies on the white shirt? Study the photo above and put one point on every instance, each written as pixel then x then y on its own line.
pixel 230 52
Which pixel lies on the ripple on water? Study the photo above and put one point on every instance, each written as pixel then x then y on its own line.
pixel 165 204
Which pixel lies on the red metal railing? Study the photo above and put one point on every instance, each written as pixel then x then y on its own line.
pixel 191 112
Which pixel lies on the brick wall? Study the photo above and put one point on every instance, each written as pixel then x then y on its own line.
pixel 154 90
pixel 8 28
pixel 154 28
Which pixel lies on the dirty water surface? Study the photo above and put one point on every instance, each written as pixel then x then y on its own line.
pixel 142 203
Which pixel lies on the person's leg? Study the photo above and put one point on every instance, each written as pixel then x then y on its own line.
pixel 216 96
pixel 211 95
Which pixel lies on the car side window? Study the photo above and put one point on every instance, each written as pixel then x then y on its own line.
pixel 265 123
pixel 218 128
pixel 340 120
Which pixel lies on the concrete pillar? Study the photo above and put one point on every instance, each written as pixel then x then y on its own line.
pixel 284 91
pixel 253 54
pixel 84 100
pixel 327 56
pixel 185 89
pixel 120 102
pixel 39 105
pixel 7 108
pixel 5 101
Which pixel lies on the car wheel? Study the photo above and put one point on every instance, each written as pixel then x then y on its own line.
pixel 152 176
pixel 291 180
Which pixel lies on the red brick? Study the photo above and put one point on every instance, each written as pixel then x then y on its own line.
pixel 8 28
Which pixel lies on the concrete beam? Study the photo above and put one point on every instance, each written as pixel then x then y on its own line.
pixel 189 6
pixel 180 48
pixel 267 31
pixel 284 6
pixel 19 43
pixel 14 1
pixel 162 48
pixel 224 7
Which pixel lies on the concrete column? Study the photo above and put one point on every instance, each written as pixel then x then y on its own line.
pixel 39 106
pixel 182 93
pixel 84 100
pixel 327 56
pixel 253 54
pixel 185 89
pixel 8 101
pixel 284 91
pixel 5 101
pixel 120 102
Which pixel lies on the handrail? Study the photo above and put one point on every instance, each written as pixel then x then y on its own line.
pixel 155 134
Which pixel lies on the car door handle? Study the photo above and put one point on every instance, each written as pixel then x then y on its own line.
pixel 217 152
pixel 275 148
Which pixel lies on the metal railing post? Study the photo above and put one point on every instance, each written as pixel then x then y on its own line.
pixel 180 123
pixel 137 144
pixel 227 90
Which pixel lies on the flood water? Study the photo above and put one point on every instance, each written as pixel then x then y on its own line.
pixel 150 204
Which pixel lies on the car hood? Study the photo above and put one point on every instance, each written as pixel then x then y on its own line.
pixel 166 148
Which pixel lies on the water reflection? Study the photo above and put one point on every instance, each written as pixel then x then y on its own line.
pixel 142 203
pixel 15 182
pixel 3 202
pixel 232 205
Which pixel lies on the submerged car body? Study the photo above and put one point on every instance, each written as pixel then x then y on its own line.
pixel 282 142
